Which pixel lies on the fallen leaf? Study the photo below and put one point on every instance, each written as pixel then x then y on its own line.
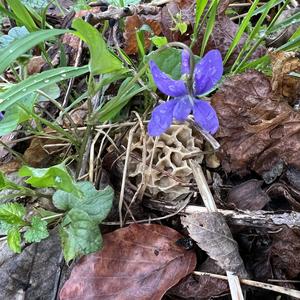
pixel 33 273
pixel 284 85
pixel 283 191
pixel 212 235
pixel 248 196
pixel 137 262
pixel 35 65
pixel 285 252
pixel 221 37
pixel 132 25
pixel 201 287
pixel 257 131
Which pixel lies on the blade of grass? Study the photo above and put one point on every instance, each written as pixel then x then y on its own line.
pixel 17 48
pixel 38 82
pixel 294 19
pixel 200 6
pixel 210 25
pixel 238 63
pixel 23 15
pixel 241 30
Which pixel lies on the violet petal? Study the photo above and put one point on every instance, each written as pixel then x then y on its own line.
pixel 161 118
pixel 208 72
pixel 182 108
pixel 206 116
pixel 165 84
pixel 185 62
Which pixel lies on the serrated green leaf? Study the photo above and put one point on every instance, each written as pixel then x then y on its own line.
pixel 14 239
pixel 102 60
pixel 4 227
pixel 19 47
pixel 38 82
pixel 37 231
pixel 97 204
pixel 12 213
pixel 56 177
pixel 79 234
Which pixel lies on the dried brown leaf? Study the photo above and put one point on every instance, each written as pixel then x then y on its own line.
pixel 134 23
pixel 284 85
pixel 201 287
pixel 212 235
pixel 286 252
pixel 248 196
pixel 137 262
pixel 257 132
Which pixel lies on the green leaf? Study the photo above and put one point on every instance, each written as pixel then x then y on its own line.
pixel 159 41
pixel 210 24
pixel 37 231
pixel 15 115
pixel 17 48
pixel 12 213
pixel 56 177
pixel 14 239
pixel 116 104
pixel 16 33
pixel 102 60
pixel 200 5
pixel 169 61
pixel 241 30
pixel 79 234
pixel 38 82
pixel 23 15
pixel 35 4
pixel 97 204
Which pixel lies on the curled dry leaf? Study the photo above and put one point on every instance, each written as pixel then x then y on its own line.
pixel 284 85
pixel 212 235
pixel 132 25
pixel 201 287
pixel 248 196
pixel 285 252
pixel 137 262
pixel 265 131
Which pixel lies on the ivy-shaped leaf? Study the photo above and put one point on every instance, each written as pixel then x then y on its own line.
pixel 56 177
pixel 79 234
pixel 37 230
pixel 79 231
pixel 96 204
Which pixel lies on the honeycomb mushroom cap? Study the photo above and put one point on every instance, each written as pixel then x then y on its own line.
pixel 170 173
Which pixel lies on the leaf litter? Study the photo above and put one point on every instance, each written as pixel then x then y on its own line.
pixel 252 230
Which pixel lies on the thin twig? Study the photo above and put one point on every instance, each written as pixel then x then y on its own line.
pixel 262 285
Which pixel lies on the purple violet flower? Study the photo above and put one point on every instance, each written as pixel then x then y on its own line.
pixel 208 71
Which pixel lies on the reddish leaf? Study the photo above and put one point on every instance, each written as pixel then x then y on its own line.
pixel 137 262
pixel 257 132
pixel 134 23
pixel 285 252
pixel 283 63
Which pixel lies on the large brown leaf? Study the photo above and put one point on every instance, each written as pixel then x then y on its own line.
pixel 257 132
pixel 212 235
pixel 137 262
